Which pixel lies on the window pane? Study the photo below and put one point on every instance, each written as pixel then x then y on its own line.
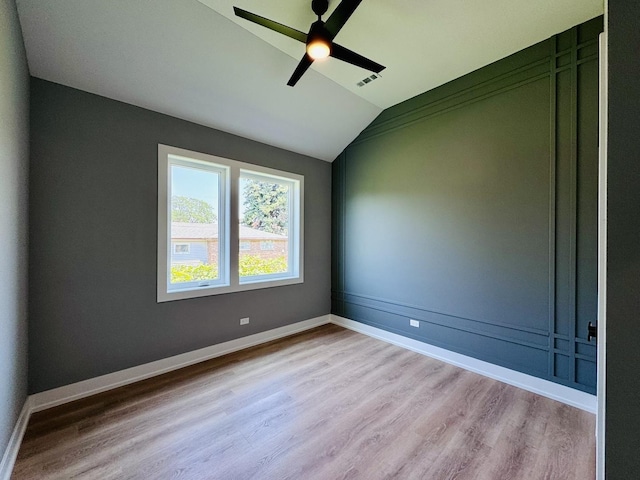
pixel 195 247
pixel 181 248
pixel 264 226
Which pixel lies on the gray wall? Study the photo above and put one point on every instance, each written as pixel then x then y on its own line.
pixel 623 271
pixel 473 208
pixel 93 226
pixel 14 161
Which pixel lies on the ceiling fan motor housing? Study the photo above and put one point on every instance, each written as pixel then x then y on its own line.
pixel 319 7
pixel 318 32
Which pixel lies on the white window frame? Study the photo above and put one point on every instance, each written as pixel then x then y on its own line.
pixel 223 172
pixel 228 236
pixel 295 219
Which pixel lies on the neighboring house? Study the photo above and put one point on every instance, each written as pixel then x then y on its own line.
pixel 262 244
pixel 194 243
pixel 197 243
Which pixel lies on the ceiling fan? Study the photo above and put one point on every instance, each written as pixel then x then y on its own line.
pixel 319 40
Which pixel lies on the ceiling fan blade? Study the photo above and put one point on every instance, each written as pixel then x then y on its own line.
pixel 354 58
pixel 340 16
pixel 271 25
pixel 302 67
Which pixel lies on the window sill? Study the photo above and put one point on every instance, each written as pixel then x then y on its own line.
pixel 197 292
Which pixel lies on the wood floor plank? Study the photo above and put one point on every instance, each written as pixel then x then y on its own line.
pixel 323 404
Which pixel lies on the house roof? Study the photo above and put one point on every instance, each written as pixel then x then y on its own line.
pixel 182 230
pixel 197 61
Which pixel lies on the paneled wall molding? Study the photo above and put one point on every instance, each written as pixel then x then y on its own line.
pixel 556 83
pixel 524 336
pixel 569 56
pixel 504 83
pixel 496 84
pixel 346 296
pixel 552 206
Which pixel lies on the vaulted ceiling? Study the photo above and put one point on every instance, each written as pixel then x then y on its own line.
pixel 195 60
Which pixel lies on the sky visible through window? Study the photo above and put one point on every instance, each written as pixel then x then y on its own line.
pixel 195 183
pixel 201 185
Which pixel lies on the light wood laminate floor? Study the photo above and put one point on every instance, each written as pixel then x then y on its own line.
pixel 325 404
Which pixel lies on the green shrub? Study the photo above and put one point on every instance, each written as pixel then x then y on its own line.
pixel 249 265
pixel 254 265
pixel 191 273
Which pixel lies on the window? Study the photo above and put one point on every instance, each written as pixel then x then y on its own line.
pixel 267 246
pixel 181 248
pixel 266 217
pixel 202 250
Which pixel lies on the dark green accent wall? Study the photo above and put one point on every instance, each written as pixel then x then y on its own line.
pixel 473 208
pixel 622 418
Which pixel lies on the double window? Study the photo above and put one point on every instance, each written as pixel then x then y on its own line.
pixel 215 216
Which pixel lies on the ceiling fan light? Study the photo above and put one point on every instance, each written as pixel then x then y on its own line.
pixel 318 49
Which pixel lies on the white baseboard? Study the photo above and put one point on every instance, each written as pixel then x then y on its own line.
pixel 567 395
pixel 68 393
pixel 11 453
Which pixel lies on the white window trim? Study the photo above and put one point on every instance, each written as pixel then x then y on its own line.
pixel 229 209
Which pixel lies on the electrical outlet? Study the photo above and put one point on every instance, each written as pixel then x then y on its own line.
pixel 414 323
pixel 244 321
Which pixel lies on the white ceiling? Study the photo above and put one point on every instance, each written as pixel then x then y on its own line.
pixel 195 60
pixel 422 43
